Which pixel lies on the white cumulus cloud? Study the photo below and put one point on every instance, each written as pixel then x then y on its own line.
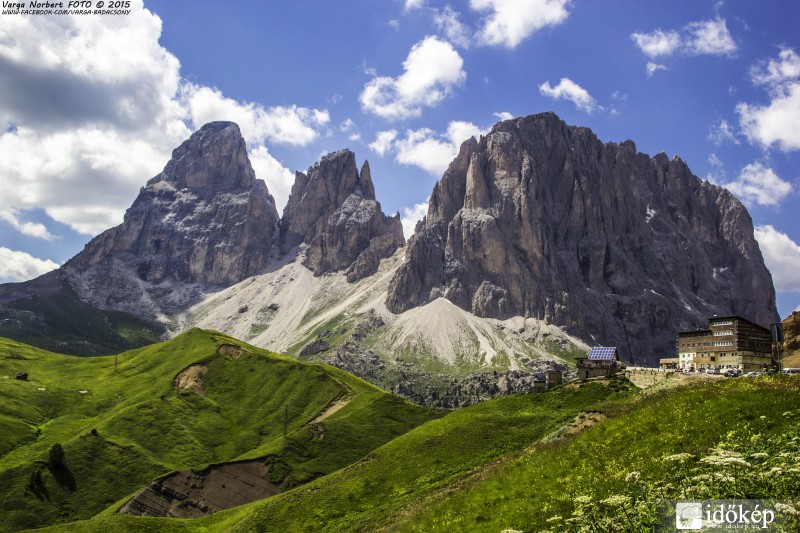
pixel 81 153
pixel 412 215
pixel 703 37
pixel 569 90
pixel 32 229
pixel 383 141
pixel 709 37
pixel 290 125
pixel 20 266
pixel 449 23
pixel 779 121
pixel 432 151
pixel 509 22
pixel 657 43
pixel 431 70
pixel 722 132
pixel 504 115
pixel 758 184
pixel 781 255
pixel 279 179
pixel 652 68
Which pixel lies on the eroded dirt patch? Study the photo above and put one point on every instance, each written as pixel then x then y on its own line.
pixel 192 494
pixel 231 350
pixel 332 408
pixel 192 379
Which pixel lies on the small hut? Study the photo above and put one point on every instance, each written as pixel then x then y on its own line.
pixel 602 361
pixel 22 376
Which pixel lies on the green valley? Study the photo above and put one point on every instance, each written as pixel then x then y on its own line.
pixel 122 421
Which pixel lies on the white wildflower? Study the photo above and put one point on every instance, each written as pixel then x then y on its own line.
pixel 785 508
pixel 759 455
pixel 617 500
pixel 679 457
pixel 633 476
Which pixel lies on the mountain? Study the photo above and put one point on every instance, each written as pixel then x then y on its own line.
pixel 790 351
pixel 541 219
pixel 332 209
pixel 205 220
pixel 539 241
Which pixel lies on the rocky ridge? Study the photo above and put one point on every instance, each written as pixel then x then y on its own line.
pixel 333 211
pixel 541 219
pixel 205 220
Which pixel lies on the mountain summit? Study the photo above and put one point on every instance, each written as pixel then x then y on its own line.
pixel 541 219
pixel 333 210
pixel 204 220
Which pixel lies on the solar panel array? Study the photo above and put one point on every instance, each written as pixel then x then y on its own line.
pixel 602 354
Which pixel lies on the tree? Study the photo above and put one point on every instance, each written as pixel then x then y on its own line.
pixel 56 459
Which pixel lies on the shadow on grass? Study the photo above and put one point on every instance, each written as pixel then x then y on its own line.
pixel 64 477
pixel 37 487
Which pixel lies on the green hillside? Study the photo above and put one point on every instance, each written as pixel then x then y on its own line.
pixel 122 421
pixel 583 454
pixel 59 321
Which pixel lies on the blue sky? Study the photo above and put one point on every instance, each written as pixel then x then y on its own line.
pixel 93 105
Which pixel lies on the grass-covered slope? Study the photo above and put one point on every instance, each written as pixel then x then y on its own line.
pixel 122 421
pixel 413 467
pixel 46 312
pixel 528 463
pixel 730 439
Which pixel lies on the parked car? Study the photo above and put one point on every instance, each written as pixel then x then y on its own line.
pixel 790 371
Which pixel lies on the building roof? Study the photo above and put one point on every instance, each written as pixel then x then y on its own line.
pixel 601 353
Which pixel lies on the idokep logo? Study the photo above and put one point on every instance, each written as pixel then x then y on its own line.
pixel 721 515
pixel 689 515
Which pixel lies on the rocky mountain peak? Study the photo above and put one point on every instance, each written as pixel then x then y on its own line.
pixel 204 220
pixel 541 219
pixel 332 209
pixel 214 159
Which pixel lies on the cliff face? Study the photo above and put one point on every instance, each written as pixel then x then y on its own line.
pixel 542 219
pixel 204 220
pixel 333 210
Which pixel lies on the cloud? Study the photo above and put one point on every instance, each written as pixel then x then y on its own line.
pixel 92 107
pixel 760 185
pixel 412 215
pixel 431 151
pixel 383 141
pixel 292 125
pixel 775 72
pixel 504 115
pixel 704 37
pixel 448 22
pixel 569 90
pixel 414 4
pixel 19 266
pixel 779 121
pixel 709 37
pixel 279 179
pixel 781 255
pixel 657 43
pixel 722 132
pixel 431 70
pixel 652 68
pixel 509 22
pixel 32 229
